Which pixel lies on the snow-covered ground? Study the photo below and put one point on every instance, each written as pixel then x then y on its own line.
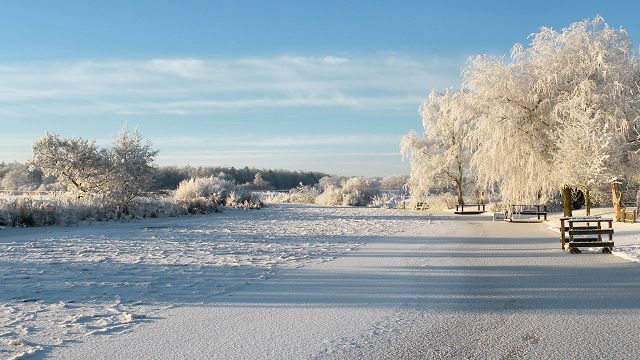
pixel 242 282
pixel 451 287
pixel 62 284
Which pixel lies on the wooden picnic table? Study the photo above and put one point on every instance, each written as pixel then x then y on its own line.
pixel 479 209
pixel 539 210
pixel 591 230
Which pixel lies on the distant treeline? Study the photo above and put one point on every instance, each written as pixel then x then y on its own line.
pixel 168 177
pixel 18 176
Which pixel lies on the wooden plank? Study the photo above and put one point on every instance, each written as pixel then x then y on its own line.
pixel 591 244
pixel 587 239
pixel 591 227
pixel 573 232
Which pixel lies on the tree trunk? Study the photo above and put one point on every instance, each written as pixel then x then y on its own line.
pixel 587 201
pixel 616 199
pixel 459 192
pixel 567 206
pixel 480 196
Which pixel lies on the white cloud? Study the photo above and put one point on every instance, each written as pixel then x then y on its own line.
pixel 188 86
pixel 264 142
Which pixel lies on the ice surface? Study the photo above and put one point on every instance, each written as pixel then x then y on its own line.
pixel 61 284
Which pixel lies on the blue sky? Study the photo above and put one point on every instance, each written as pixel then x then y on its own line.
pixel 303 85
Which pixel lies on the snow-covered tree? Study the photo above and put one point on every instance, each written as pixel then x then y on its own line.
pixel 260 183
pixel 132 171
pixel 440 157
pixel 394 183
pixel 584 75
pixel 585 149
pixel 21 177
pixel 120 173
pixel 78 164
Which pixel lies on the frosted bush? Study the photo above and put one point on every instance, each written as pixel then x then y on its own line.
pixel 387 201
pixel 303 194
pixel 156 207
pixel 443 201
pixel 49 209
pixel 201 195
pixel 272 197
pixel 213 188
pixel 69 209
pixel 331 191
pixel 355 191
pixel 243 200
pixel 330 196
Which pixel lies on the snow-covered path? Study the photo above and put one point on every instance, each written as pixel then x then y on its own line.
pixel 463 288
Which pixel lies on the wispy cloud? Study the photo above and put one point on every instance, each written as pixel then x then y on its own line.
pixel 264 142
pixel 192 86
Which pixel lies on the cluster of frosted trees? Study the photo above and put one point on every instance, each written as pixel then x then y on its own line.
pixel 560 113
pixel 117 174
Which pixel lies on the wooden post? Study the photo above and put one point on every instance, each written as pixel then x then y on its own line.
pixel 616 199
pixel 567 206
pixel 562 240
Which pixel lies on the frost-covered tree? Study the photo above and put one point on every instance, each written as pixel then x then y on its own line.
pixel 21 177
pixel 584 74
pixel 78 164
pixel 131 167
pixel 120 173
pixel 440 157
pixel 585 149
pixel 260 183
pixel 394 183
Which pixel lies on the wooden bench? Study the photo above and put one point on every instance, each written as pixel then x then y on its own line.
pixel 478 209
pixel 586 232
pixel 421 206
pixel 538 210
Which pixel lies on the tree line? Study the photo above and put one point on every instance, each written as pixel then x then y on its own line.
pixel 168 177
pixel 119 173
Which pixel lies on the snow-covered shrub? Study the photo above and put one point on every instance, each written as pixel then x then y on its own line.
pixel 303 194
pixel 331 191
pixel 355 191
pixel 243 200
pixel 443 201
pixel 157 207
pixel 387 201
pixel 210 187
pixel 330 196
pixel 273 197
pixel 207 194
pixel 50 209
